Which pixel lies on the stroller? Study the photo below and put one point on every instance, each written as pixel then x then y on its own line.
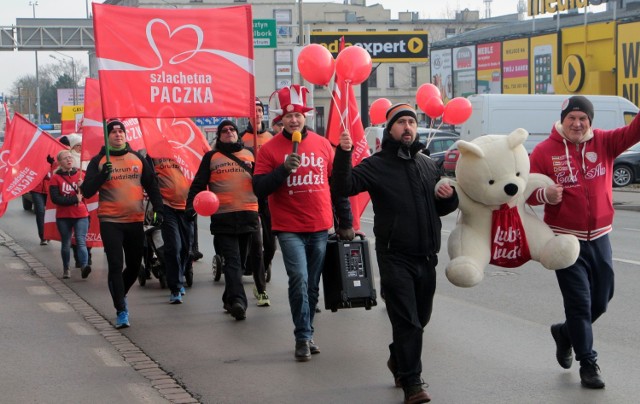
pixel 153 254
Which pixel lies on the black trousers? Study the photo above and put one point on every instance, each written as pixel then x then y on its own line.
pixel 123 245
pixel 255 261
pixel 409 285
pixel 232 247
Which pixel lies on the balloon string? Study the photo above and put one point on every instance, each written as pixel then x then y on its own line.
pixel 346 111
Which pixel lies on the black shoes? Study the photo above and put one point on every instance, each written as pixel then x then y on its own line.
pixel 313 348
pixel 85 271
pixel 590 375
pixel 391 364
pixel 238 311
pixel 564 354
pixel 303 351
pixel 416 394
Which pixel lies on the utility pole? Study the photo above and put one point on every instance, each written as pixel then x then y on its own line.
pixel 33 5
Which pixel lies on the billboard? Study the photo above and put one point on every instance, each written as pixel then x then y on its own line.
pixel 515 66
pixel 629 62
pixel 389 46
pixel 489 72
pixel 442 72
pixel 464 71
pixel 544 64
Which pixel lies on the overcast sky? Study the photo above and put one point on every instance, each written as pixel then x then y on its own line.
pixel 16 64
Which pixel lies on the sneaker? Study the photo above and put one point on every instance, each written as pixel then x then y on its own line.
pixel 416 394
pixel 238 311
pixel 197 255
pixel 175 298
pixel 318 309
pixel 85 271
pixel 66 274
pixel 263 299
pixel 302 352
pixel 122 320
pixel 564 355
pixel 313 348
pixel 44 242
pixel 590 375
pixel 183 291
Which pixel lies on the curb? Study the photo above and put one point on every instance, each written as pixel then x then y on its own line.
pixel 161 381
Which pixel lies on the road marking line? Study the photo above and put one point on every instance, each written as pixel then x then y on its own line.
pixel 630 229
pixel 109 358
pixel 56 307
pixel 632 262
pixel 39 290
pixel 82 329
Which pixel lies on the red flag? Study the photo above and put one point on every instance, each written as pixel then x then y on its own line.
pixel 176 138
pixel 175 62
pixel 94 239
pixel 23 160
pixel 92 127
pixel 345 116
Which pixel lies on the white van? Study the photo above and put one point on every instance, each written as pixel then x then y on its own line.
pixel 497 114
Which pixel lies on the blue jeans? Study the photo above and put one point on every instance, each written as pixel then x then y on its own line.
pixel 303 255
pixel 177 233
pixel 39 202
pixel 79 226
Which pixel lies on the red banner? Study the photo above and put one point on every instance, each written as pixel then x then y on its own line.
pixel 92 126
pixel 175 62
pixel 94 239
pixel 23 160
pixel 176 138
pixel 345 116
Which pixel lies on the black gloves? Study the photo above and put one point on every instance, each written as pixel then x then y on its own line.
pixel 346 234
pixel 190 214
pixel 158 218
pixel 292 162
pixel 50 159
pixel 107 169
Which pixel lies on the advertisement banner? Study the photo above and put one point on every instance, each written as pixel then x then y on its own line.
pixel 515 66
pixel 544 64
pixel 629 62
pixel 442 72
pixel 71 119
pixel 390 46
pixel 464 71
pixel 489 72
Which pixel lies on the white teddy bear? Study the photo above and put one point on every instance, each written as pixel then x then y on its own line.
pixel 492 175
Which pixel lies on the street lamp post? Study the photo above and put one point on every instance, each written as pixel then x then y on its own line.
pixel 33 5
pixel 73 75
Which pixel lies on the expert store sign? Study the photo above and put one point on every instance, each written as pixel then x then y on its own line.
pixel 390 46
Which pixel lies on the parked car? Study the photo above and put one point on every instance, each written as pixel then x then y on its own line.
pixel 626 167
pixel 438 147
pixel 373 134
pixel 450 159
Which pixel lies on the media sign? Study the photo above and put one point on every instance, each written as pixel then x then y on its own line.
pixel 388 46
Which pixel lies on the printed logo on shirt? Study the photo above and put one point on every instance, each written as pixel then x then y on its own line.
pixel 592 157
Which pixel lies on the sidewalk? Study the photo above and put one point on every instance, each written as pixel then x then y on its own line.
pixel 58 349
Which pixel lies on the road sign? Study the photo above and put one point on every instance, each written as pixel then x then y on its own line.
pixel 209 121
pixel 264 34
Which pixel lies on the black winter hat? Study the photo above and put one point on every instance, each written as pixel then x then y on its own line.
pixel 577 103
pixel 227 122
pixel 115 124
pixel 259 103
pixel 396 111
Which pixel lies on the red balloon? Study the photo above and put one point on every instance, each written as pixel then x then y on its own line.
pixel 316 64
pixel 457 111
pixel 434 107
pixel 353 64
pixel 206 203
pixel 378 110
pixel 424 94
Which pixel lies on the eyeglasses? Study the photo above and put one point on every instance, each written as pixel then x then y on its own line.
pixel 227 130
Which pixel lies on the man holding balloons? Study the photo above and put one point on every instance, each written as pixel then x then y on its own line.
pixel 226 171
pixel 401 182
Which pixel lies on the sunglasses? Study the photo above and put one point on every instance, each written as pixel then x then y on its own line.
pixel 227 130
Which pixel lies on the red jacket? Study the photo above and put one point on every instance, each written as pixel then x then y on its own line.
pixel 585 172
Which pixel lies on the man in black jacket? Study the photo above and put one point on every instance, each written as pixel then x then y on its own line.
pixel 401 182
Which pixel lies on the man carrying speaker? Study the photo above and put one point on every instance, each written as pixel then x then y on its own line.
pixel 293 170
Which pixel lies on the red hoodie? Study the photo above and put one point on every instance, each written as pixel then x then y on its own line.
pixel 585 171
